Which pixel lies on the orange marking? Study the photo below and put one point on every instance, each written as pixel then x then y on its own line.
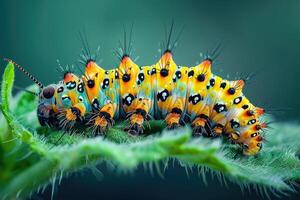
pixel 68 77
pixel 218 130
pixel 167 56
pixel 100 121
pixel 70 116
pixel 259 111
pixel 199 122
pixel 137 119
pixel 172 118
pixel 206 63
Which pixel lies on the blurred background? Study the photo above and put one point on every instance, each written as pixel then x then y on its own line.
pixel 260 37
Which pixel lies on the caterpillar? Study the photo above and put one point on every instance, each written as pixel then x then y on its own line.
pixel 177 94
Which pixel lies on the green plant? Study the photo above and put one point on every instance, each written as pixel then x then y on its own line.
pixel 28 150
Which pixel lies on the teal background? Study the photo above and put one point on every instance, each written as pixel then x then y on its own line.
pixel 257 36
pixel 261 37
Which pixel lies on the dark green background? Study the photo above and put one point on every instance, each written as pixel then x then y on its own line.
pixel 257 36
pixel 261 37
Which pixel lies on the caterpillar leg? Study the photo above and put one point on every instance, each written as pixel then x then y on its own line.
pixel 199 124
pixel 138 116
pixel 218 130
pixel 77 111
pixel 173 118
pixel 220 121
pixel 102 120
pixel 68 118
pixel 135 126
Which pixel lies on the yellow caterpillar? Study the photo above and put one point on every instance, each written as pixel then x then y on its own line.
pixel 177 94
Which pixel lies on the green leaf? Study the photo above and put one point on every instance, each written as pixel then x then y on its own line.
pixel 30 150
pixel 6 86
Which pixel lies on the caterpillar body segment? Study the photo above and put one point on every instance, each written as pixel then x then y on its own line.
pixel 177 94
pixel 136 93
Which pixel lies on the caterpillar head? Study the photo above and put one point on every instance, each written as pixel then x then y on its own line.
pixel 47 94
pixel 46 108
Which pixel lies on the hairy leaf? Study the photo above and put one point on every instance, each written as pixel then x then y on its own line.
pixel 29 150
